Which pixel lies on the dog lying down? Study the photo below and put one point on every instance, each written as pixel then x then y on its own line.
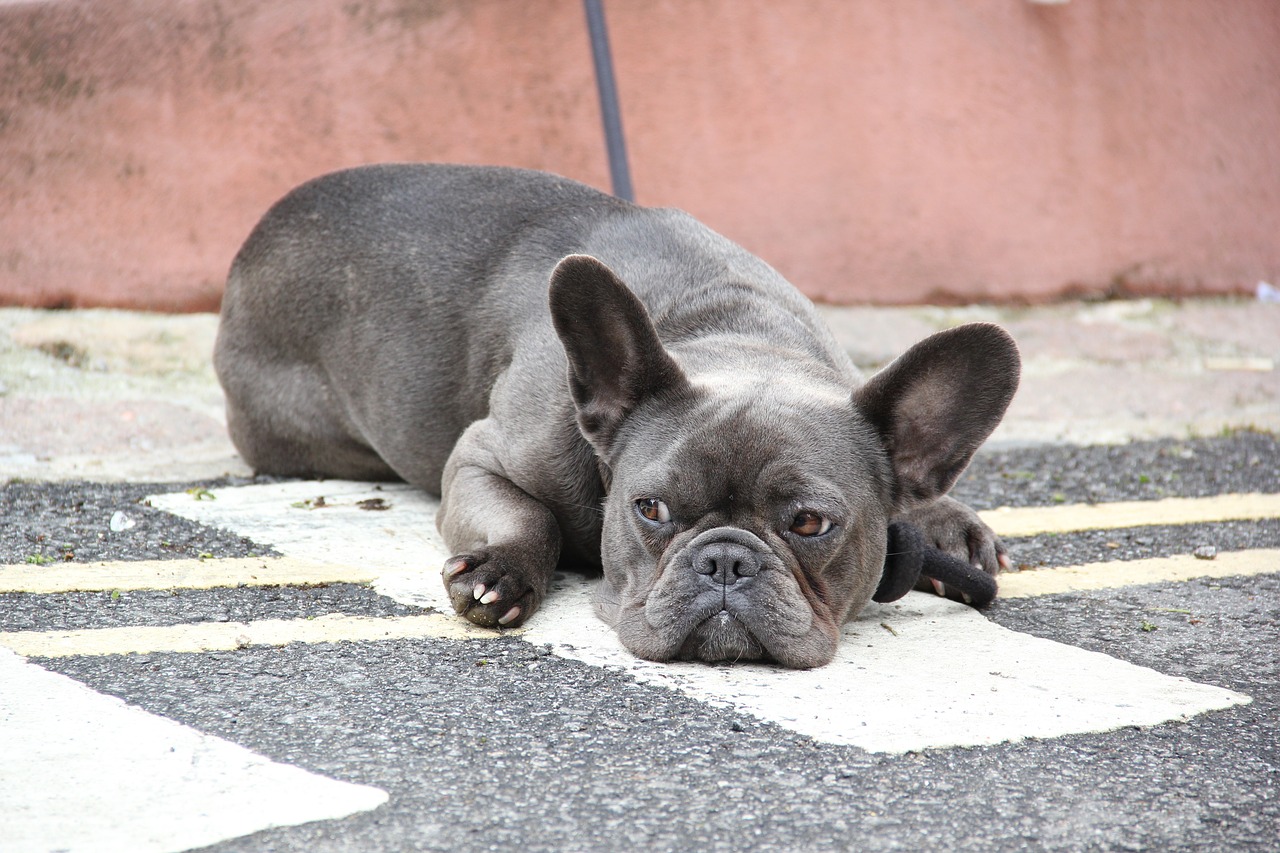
pixel 589 383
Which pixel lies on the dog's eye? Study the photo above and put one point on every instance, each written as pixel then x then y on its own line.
pixel 653 510
pixel 809 524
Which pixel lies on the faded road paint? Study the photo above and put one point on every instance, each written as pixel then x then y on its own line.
pixel 80 771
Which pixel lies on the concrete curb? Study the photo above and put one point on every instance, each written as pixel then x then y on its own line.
pixel 115 395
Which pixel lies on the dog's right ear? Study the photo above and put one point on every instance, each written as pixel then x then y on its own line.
pixel 616 361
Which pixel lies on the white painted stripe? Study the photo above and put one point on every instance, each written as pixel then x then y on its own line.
pixel 1121 573
pixel 80 771
pixel 400 544
pixel 225 636
pixel 177 574
pixel 945 676
pixel 401 537
pixel 1070 518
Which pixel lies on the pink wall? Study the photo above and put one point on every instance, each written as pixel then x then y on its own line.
pixel 873 151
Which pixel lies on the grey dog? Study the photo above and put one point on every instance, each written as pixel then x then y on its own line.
pixel 586 382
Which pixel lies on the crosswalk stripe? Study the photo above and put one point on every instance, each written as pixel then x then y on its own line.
pixel 1072 518
pixel 1121 573
pixel 228 636
pixel 177 574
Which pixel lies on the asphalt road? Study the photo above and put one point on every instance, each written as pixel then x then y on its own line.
pixel 500 743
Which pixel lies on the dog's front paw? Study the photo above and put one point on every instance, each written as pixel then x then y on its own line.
pixel 492 589
pixel 957 530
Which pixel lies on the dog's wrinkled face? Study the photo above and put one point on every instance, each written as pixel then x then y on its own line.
pixel 749 500
pixel 743 525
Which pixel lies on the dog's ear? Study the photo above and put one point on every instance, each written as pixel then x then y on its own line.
pixel 616 361
pixel 935 405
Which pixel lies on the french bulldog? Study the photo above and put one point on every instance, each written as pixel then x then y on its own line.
pixel 589 383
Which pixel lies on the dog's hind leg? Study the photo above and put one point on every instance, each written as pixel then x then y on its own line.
pixel 284 420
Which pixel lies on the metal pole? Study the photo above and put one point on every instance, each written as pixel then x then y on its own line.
pixel 610 111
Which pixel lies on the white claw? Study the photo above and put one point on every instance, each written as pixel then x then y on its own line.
pixel 456 568
pixel 489 597
pixel 478 591
pixel 938 587
pixel 510 616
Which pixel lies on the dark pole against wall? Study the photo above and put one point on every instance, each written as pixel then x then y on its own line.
pixel 610 111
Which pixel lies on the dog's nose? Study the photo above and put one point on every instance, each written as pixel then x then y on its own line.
pixel 726 562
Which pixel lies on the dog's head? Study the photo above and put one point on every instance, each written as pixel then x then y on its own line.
pixel 747 512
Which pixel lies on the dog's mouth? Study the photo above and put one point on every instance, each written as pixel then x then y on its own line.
pixel 722 636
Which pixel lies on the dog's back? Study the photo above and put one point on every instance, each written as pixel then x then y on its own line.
pixel 353 308
pixel 369 313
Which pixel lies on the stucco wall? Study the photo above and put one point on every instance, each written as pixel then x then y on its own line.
pixel 872 151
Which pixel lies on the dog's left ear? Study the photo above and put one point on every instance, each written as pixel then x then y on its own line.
pixel 616 361
pixel 936 403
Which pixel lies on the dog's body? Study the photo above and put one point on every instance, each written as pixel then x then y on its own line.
pixel 396 322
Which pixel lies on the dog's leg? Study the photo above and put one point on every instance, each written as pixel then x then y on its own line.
pixel 505 542
pixel 957 530
pixel 283 420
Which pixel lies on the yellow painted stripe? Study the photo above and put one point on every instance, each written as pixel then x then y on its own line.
pixel 1120 573
pixel 226 636
pixel 336 627
pixel 177 574
pixel 1070 518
